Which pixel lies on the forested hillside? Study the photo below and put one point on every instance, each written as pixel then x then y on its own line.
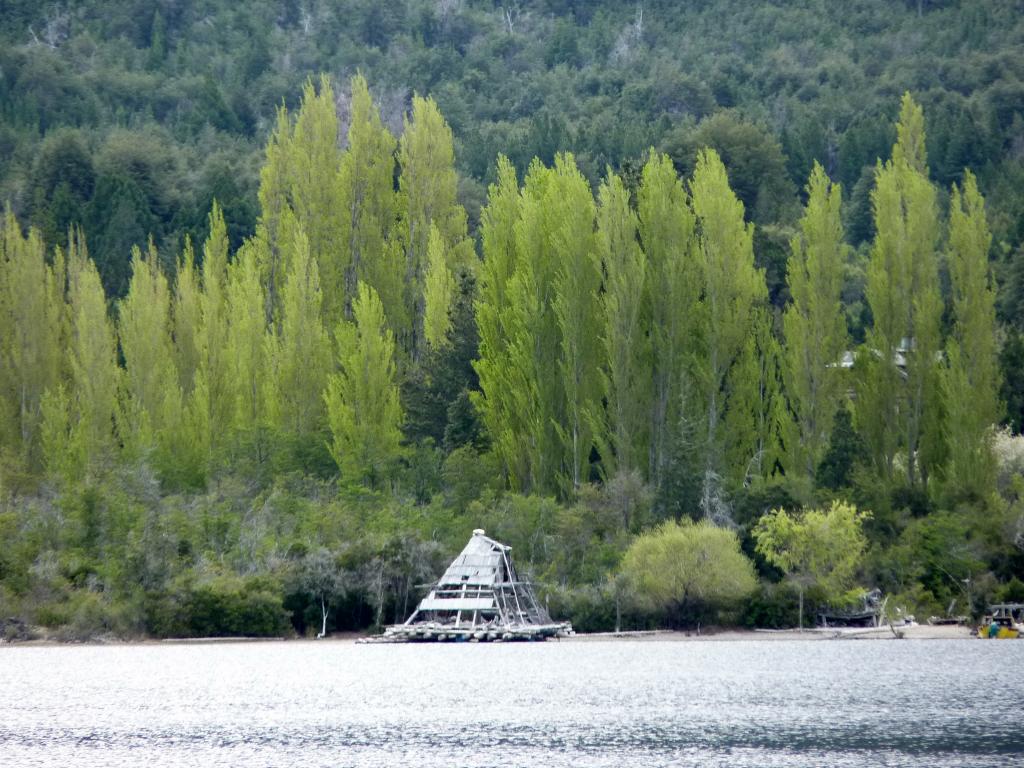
pixel 611 282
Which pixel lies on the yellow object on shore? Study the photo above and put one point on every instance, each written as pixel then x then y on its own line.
pixel 1004 623
pixel 1003 633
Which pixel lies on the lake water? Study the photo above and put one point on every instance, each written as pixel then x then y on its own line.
pixel 756 703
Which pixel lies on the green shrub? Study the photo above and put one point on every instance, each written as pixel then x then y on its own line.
pixel 773 606
pixel 593 609
pixel 50 615
pixel 91 615
pixel 226 606
pixel 691 573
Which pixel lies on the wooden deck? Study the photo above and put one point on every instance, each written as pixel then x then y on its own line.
pixel 436 633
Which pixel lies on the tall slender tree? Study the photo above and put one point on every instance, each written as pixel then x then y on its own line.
pixel 31 301
pixel 499 374
pixel 316 191
pixel 755 414
pixel 532 335
pixel 151 404
pixel 186 311
pixel 575 306
pixel 301 350
pixel 733 289
pixel 625 317
pixel 428 186
pixel 248 354
pixel 300 183
pixel 813 324
pixel 438 291
pixel 362 402
pixel 898 399
pixel 971 377
pixel 95 375
pixel 880 380
pixel 370 205
pixel 274 203
pixel 674 276
pixel 538 313
pixel 212 406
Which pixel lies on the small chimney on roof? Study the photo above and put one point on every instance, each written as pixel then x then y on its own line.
pixel 478 531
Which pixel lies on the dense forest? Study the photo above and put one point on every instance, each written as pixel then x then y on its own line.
pixel 704 308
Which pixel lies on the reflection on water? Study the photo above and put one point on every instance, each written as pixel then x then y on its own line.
pixel 758 703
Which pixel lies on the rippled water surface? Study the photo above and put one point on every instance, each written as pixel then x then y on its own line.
pixel 757 703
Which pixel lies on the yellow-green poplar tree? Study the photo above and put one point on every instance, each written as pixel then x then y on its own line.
pixel 971 376
pixel 248 354
pixel 316 191
pixel 438 291
pixel 301 185
pixel 275 207
pixel 185 317
pixel 370 205
pixel 428 186
pixel 211 405
pixel 898 401
pixel 571 217
pixel 363 408
pixel 755 414
pixel 186 331
pixel 813 325
pixel 625 336
pixel 538 373
pixel 733 290
pixel 532 335
pixel 301 350
pixel 673 287
pixel 500 374
pixel 95 374
pixel 150 415
pixel 31 304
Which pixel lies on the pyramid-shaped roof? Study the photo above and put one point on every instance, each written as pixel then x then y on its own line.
pixel 479 597
pixel 482 562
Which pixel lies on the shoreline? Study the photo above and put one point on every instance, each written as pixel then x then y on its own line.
pixel 709 634
pixel 731 635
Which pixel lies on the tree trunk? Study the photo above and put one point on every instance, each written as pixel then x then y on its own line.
pixel 380 595
pixel 801 614
pixel 323 614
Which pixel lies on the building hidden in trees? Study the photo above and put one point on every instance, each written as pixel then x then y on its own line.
pixel 479 598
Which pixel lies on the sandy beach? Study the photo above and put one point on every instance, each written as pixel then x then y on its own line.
pixel 709 634
pixel 713 634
